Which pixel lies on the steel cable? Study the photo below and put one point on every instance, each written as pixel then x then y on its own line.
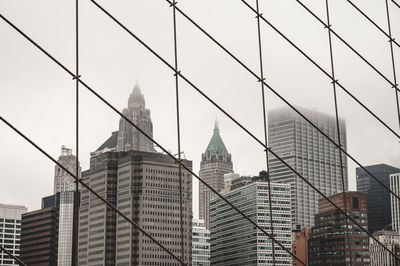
pixel 20 262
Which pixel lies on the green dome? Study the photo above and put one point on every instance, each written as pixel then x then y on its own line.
pixel 216 144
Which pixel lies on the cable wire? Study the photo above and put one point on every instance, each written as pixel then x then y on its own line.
pixel 396 4
pixel 20 262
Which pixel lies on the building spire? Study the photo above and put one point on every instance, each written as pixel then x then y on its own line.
pixel 216 127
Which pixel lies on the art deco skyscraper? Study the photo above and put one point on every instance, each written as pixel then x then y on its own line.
pixel 215 162
pixel 129 138
pixel 62 180
pixel 310 154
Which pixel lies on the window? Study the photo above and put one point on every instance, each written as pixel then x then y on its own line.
pixel 355 203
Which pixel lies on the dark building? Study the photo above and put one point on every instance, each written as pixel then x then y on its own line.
pixel 328 243
pixel 378 198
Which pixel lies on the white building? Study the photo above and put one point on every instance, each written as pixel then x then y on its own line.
pixel 62 180
pixel 394 202
pixel 10 231
pixel 200 243
pixel 378 255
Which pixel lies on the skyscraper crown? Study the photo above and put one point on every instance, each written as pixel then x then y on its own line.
pixel 216 144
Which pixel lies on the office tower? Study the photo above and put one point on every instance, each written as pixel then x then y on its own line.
pixel 200 244
pixel 10 231
pixel 380 256
pixel 329 241
pixel 378 198
pixel 145 187
pixel 47 234
pixel 62 180
pixel 313 156
pixel 234 240
pixel 215 162
pixel 300 245
pixel 394 202
pixel 129 138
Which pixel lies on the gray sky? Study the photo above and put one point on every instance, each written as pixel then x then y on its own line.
pixel 38 97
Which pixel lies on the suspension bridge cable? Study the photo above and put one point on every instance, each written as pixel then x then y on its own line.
pixel 20 262
pixel 396 4
pixel 169 154
pixel 329 26
pixel 265 128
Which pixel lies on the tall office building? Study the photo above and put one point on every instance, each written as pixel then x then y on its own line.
pixel 62 180
pixel 129 138
pixel 380 256
pixel 145 187
pixel 394 202
pixel 200 244
pixel 234 240
pixel 294 140
pixel 378 198
pixel 10 231
pixel 329 243
pixel 215 162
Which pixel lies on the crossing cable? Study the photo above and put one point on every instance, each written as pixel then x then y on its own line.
pixel 169 154
pixel 338 126
pixel 394 2
pixel 265 129
pixel 393 84
pixel 323 70
pixel 266 85
pixel 147 136
pixel 178 131
pixel 392 56
pixel 372 21
pixel 20 262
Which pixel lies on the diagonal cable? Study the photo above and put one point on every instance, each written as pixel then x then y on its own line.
pixel 20 262
pixel 396 4
pixel 169 154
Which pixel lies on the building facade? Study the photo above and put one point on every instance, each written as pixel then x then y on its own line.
pixel 235 241
pixel 145 187
pixel 200 244
pixel 380 256
pixel 215 162
pixel 394 202
pixel 10 231
pixel 329 241
pixel 300 245
pixel 62 180
pixel 379 211
pixel 313 156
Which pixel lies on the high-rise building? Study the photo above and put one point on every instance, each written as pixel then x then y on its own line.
pixel 10 231
pixel 378 198
pixel 47 234
pixel 62 180
pixel 145 187
pixel 379 255
pixel 200 244
pixel 330 243
pixel 394 202
pixel 234 240
pixel 129 138
pixel 215 162
pixel 300 245
pixel 312 155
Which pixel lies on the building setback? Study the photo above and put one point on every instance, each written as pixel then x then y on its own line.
pixel 380 256
pixel 328 244
pixel 300 245
pixel 145 187
pixel 311 154
pixel 200 244
pixel 235 241
pixel 215 162
pixel 10 231
pixel 378 198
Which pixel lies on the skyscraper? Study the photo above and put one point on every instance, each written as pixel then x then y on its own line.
pixel 129 138
pixel 378 198
pixel 200 244
pixel 310 154
pixel 395 202
pixel 10 231
pixel 215 162
pixel 62 180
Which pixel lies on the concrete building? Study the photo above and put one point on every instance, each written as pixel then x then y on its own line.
pixel 62 180
pixel 200 244
pixel 380 256
pixel 215 162
pixel 145 187
pixel 10 231
pixel 329 241
pixel 300 245
pixel 47 234
pixel 394 202
pixel 235 241
pixel 378 198
pixel 310 154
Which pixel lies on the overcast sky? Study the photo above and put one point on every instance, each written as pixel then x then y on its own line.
pixel 38 97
